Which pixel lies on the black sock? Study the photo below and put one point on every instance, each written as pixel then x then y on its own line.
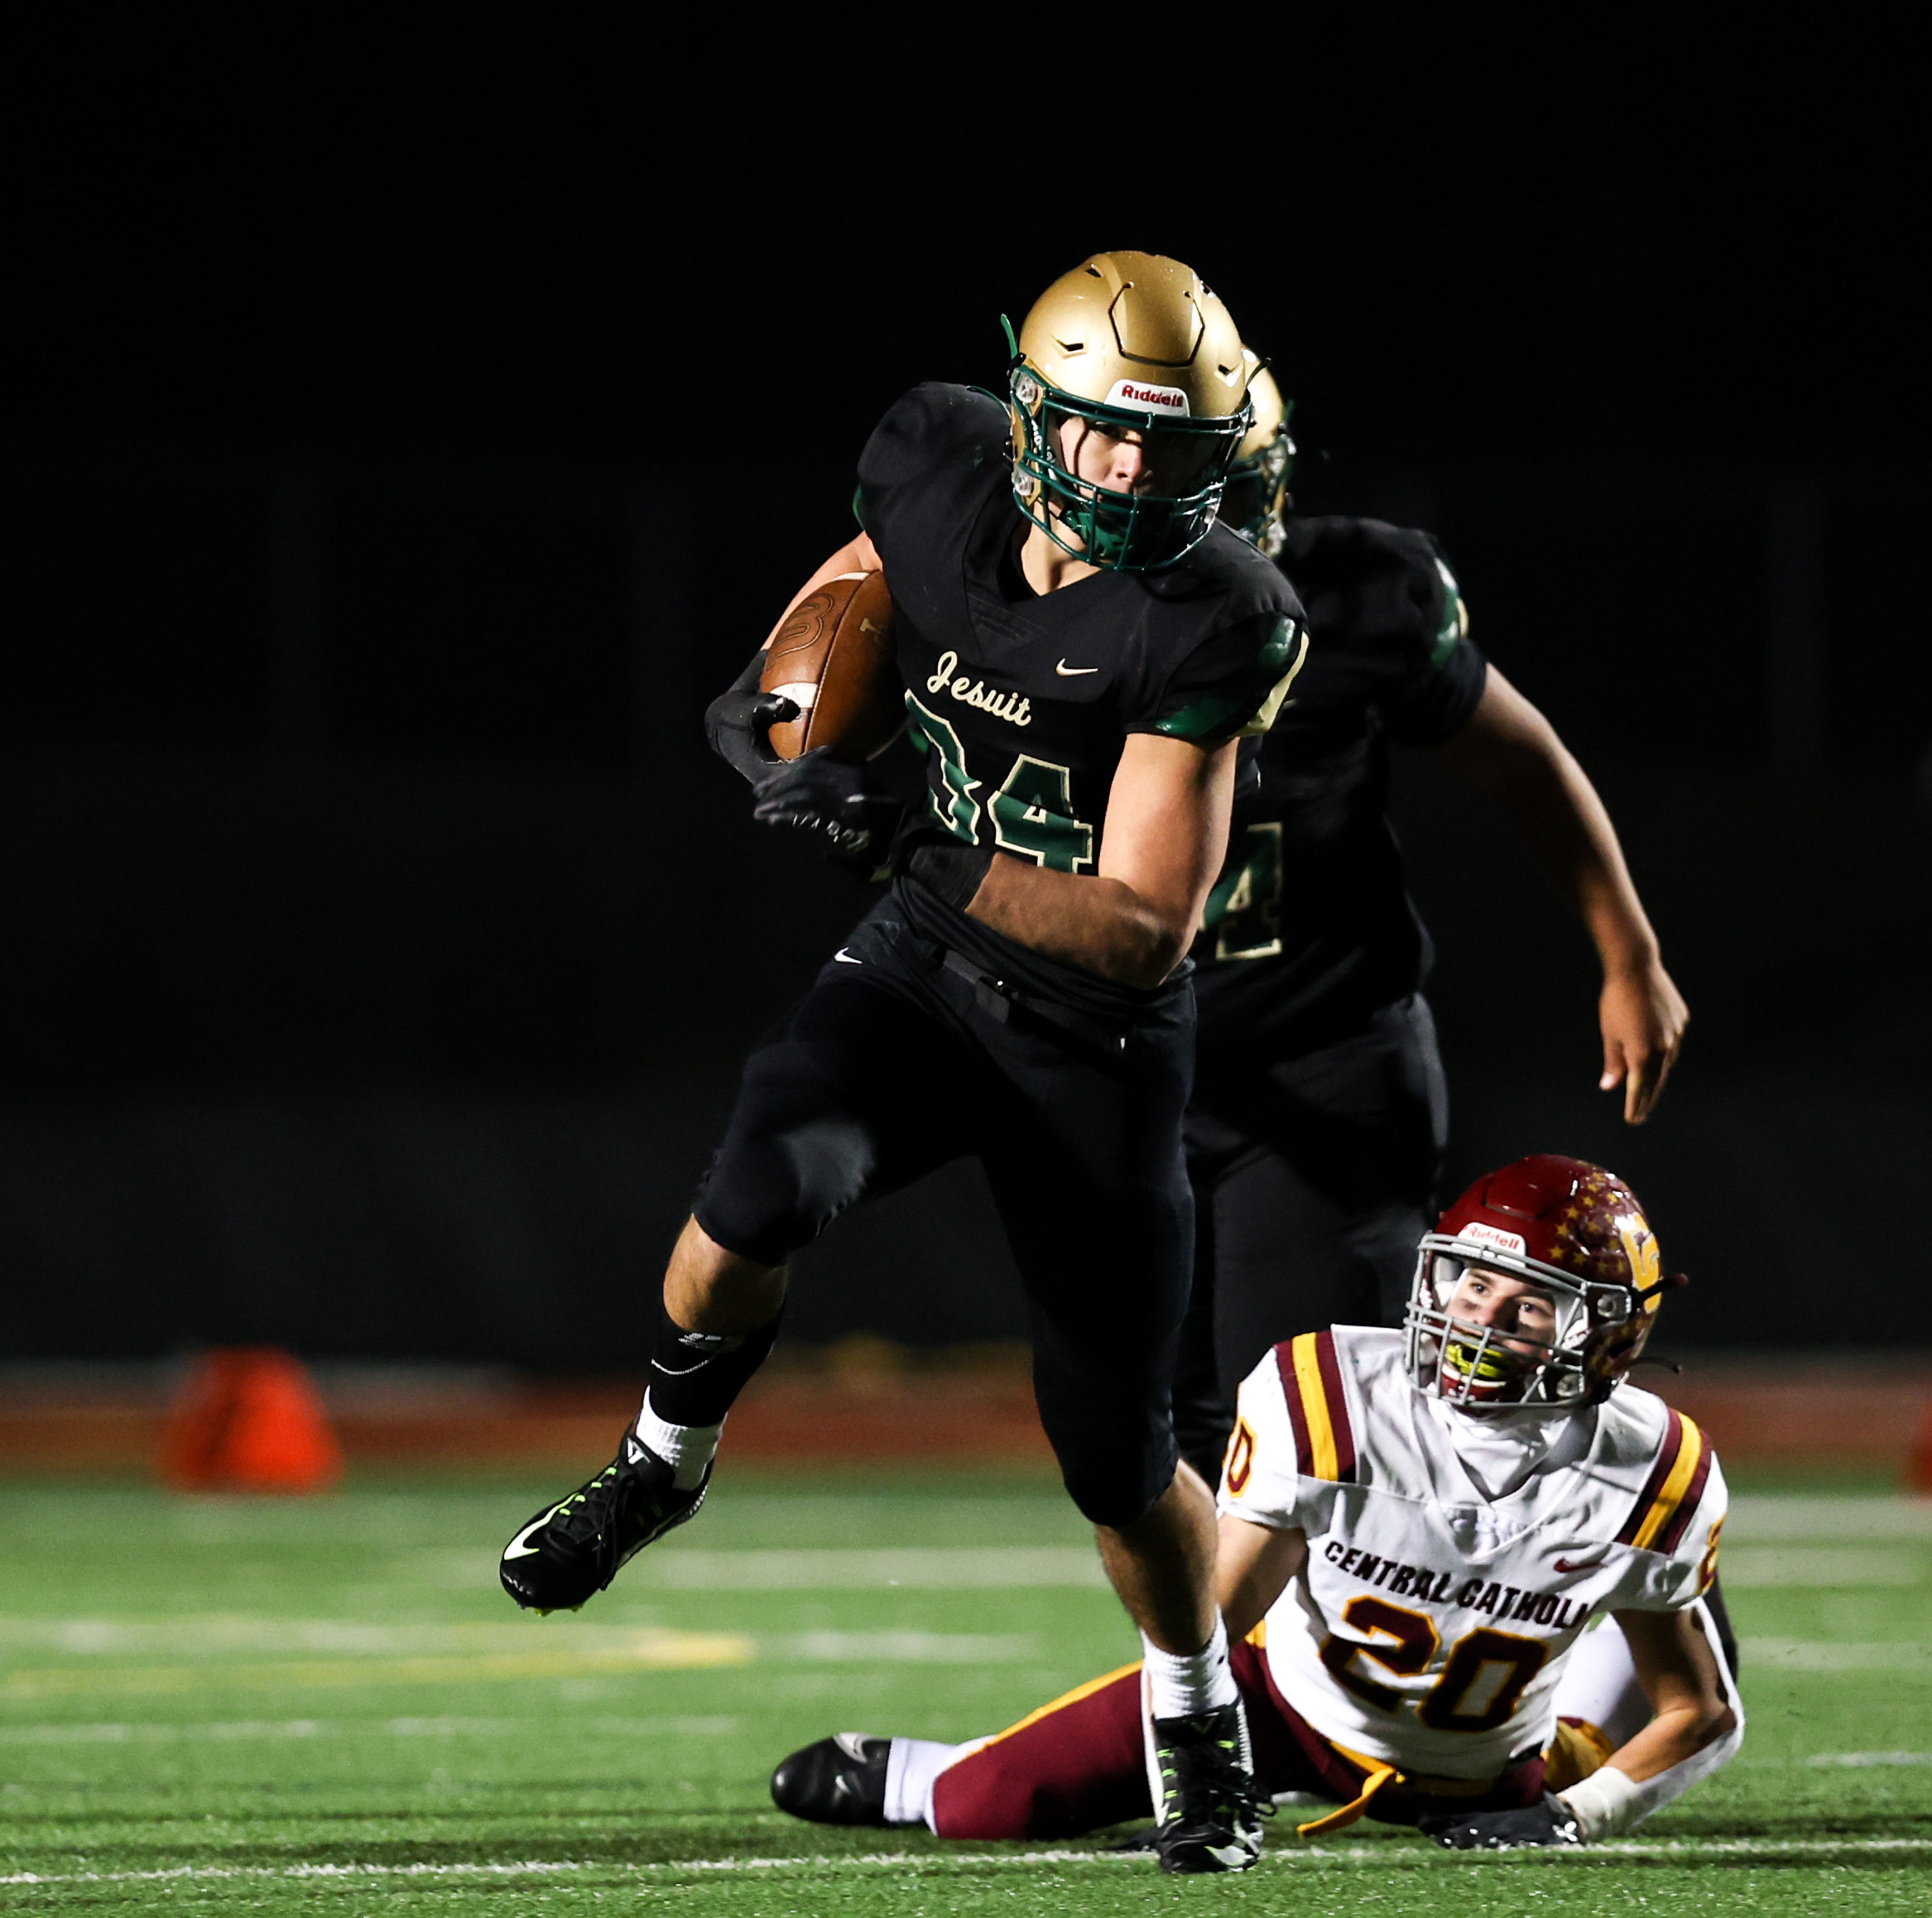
pixel 695 1376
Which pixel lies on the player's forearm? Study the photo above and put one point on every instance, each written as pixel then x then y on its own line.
pixel 1102 925
pixel 1252 1568
pixel 1678 1749
pixel 1246 1579
pixel 1165 838
pixel 1671 1739
pixel 1695 1725
pixel 1579 849
pixel 1533 776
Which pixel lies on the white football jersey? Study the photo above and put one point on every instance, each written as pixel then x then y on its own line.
pixel 1428 1624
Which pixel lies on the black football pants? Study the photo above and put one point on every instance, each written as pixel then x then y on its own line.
pixel 892 1065
pixel 1312 1178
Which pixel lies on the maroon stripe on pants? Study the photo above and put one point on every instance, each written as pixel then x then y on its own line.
pixel 1073 1771
pixel 1084 1766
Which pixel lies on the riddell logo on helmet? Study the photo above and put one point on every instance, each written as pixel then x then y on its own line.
pixel 1494 1235
pixel 1161 399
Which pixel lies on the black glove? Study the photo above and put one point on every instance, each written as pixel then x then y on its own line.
pixel 737 720
pixel 1551 1823
pixel 819 794
pixel 815 793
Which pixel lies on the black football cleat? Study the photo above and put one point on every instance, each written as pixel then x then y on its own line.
pixel 574 1548
pixel 839 1781
pixel 1210 1810
pixel 1550 1823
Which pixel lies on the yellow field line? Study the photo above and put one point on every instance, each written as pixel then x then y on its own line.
pixel 657 1651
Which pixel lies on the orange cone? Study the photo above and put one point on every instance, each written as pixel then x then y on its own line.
pixel 249 1420
pixel 1919 1466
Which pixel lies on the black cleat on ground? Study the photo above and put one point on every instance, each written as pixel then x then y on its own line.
pixel 575 1547
pixel 839 1781
pixel 1550 1823
pixel 1210 1810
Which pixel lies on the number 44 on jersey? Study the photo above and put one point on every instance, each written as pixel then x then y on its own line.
pixel 1032 812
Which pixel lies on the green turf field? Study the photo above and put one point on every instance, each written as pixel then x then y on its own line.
pixel 329 1705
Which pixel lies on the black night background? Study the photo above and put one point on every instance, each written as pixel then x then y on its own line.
pixel 412 420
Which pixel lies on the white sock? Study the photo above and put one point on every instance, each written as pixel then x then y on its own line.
pixel 687 1450
pixel 1180 1687
pixel 911 1772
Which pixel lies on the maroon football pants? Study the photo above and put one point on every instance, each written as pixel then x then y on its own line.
pixel 1078 1764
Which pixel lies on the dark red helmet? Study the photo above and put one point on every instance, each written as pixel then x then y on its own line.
pixel 1568 1227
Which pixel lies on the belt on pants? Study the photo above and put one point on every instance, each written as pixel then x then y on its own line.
pixel 1000 998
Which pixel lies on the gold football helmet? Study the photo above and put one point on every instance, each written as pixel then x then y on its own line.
pixel 1127 343
pixel 1257 494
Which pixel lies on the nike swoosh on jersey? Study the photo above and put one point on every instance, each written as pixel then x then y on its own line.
pixel 845 958
pixel 1068 672
pixel 1579 1565
pixel 516 1549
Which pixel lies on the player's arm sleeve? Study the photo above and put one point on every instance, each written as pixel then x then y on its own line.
pixel 1260 1480
pixel 1433 676
pixel 1608 1803
pixel 1681 1559
pixel 1672 1576
pixel 1233 684
pixel 911 443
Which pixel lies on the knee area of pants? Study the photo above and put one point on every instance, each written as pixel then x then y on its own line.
pixel 773 1195
pixel 1105 1494
pixel 745 1234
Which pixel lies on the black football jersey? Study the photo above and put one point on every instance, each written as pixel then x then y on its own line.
pixel 1310 927
pixel 1021 702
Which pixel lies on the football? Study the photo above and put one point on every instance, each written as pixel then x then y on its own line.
pixel 833 659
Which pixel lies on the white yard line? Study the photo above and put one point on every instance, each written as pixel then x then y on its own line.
pixel 554 1655
pixel 1860 1760
pixel 195 1635
pixel 1774 1566
pixel 167 1733
pixel 1773 1516
pixel 1903 1658
pixel 931 1568
pixel 526 1652
pixel 1890 1850
pixel 905 1647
